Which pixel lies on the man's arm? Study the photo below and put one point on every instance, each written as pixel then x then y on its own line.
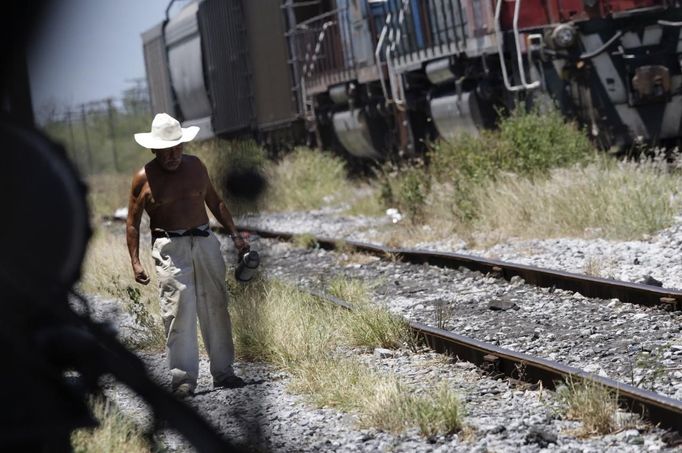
pixel 136 206
pixel 217 206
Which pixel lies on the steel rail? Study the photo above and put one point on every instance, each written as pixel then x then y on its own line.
pixel 658 409
pixel 588 286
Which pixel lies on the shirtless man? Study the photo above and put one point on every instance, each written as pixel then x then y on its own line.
pixel 174 189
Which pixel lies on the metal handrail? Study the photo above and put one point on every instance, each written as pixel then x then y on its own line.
pixel 303 25
pixel 519 57
pixel 399 90
pixel 499 38
pixel 377 56
pixel 602 48
pixel 318 48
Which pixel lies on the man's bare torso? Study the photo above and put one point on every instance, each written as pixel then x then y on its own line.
pixel 175 200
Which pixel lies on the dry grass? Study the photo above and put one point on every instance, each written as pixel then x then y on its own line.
pixel 591 403
pixel 107 272
pixel 593 266
pixel 606 198
pixel 277 323
pixel 306 179
pixel 355 258
pixel 610 199
pixel 367 200
pixel 370 325
pixel 346 255
pixel 395 409
pixel 115 434
pixel 108 192
pixel 304 241
pixel 353 291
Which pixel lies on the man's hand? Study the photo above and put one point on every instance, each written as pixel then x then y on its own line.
pixel 140 275
pixel 241 245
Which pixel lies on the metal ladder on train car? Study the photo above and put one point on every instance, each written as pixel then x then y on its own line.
pixel 393 32
pixel 309 62
pixel 524 85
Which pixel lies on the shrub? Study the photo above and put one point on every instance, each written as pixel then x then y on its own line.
pixel 536 141
pixel 406 189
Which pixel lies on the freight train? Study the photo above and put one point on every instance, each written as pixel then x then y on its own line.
pixel 375 77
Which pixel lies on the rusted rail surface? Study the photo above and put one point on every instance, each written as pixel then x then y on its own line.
pixel 658 409
pixel 588 286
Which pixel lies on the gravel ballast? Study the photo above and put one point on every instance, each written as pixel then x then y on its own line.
pixel 633 344
pixel 658 256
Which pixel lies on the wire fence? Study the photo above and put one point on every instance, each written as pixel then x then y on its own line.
pixel 98 135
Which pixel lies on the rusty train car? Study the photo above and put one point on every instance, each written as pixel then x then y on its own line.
pixel 372 77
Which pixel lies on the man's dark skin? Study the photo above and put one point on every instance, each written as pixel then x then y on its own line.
pixel 174 189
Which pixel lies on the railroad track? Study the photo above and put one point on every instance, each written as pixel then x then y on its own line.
pixel 588 286
pixel 658 409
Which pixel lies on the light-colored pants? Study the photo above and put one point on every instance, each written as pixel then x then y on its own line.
pixel 191 275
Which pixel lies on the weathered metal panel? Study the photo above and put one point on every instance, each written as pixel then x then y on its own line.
pixel 156 65
pixel 355 32
pixel 226 59
pixel 185 61
pixel 275 101
pixel 352 130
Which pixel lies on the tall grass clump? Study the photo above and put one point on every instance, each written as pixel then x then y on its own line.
pixel 396 409
pixel 306 179
pixel 274 322
pixel 279 324
pixel 304 241
pixel 116 433
pixel 591 403
pixel 369 325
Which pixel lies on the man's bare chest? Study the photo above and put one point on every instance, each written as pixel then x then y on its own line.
pixel 172 190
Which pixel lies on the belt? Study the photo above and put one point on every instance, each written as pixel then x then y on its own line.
pixel 159 233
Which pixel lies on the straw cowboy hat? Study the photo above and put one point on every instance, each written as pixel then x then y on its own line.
pixel 166 133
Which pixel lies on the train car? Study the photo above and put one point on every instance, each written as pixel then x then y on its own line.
pixel 374 77
pixel 224 65
pixel 613 65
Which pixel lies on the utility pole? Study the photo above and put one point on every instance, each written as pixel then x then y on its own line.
pixel 112 132
pixel 84 119
pixel 73 140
